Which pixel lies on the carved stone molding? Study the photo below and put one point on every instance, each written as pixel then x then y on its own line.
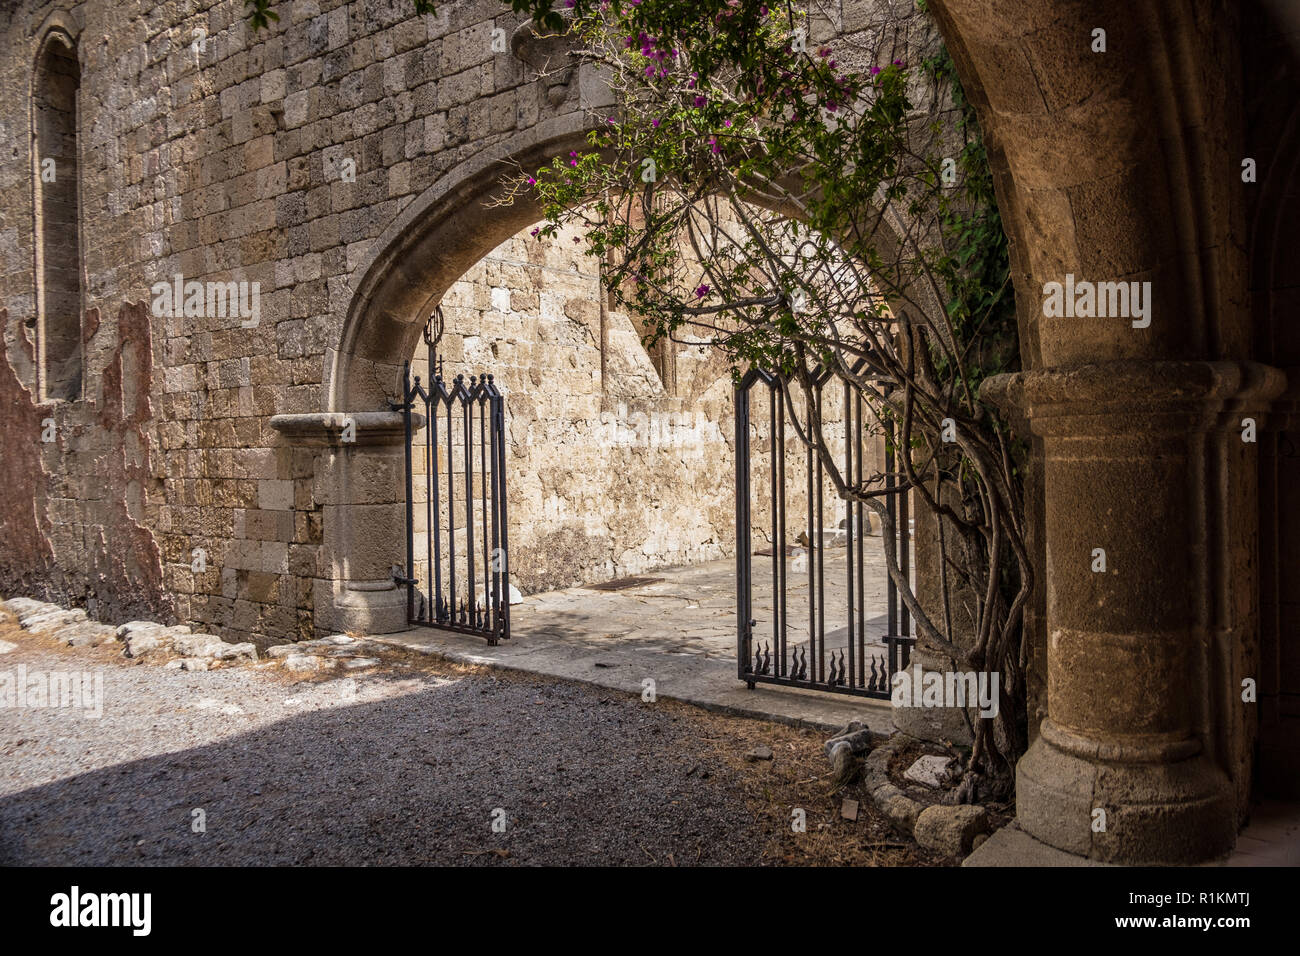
pixel 327 428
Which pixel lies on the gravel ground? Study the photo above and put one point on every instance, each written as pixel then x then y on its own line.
pixel 400 765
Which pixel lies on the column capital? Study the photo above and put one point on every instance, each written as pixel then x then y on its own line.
pixel 1112 398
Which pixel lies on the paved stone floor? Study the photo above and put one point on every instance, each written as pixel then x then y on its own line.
pixel 1271 838
pixel 679 630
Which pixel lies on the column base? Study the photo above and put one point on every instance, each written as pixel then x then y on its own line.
pixel 360 607
pixel 1172 811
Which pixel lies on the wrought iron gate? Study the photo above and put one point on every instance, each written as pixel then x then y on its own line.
pixel 461 581
pixel 845 661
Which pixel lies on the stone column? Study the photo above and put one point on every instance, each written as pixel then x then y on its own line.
pixel 1136 472
pixel 360 485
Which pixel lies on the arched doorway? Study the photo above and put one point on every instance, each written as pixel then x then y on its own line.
pixel 447 229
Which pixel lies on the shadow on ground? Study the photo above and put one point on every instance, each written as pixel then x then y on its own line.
pixel 583 777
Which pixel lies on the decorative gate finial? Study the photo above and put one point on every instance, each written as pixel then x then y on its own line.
pixel 432 335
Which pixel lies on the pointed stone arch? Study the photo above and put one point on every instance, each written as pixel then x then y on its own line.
pixel 430 245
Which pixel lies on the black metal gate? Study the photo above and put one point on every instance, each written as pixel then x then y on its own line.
pixel 461 581
pixel 850 659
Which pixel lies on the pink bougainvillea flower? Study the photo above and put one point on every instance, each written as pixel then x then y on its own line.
pixel 701 291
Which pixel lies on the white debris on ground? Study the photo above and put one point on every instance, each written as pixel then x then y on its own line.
pixel 930 770
pixel 179 648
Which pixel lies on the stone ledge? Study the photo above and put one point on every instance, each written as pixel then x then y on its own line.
pixel 1012 846
pixel 326 428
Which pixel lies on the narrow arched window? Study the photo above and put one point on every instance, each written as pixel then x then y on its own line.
pixel 56 82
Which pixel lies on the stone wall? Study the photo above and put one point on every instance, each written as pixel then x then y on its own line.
pixel 608 473
pixel 309 160
pixel 615 465
pixel 231 161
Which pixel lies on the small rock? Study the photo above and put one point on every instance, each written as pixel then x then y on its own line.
pixel 305 663
pixel 282 650
pixel 22 605
pixel 189 664
pixel 849 809
pixel 231 652
pixel 357 663
pixel 142 643
pixel 859 740
pixel 51 620
pixel 86 634
pixel 901 809
pixel 7 646
pixel 976 843
pixel 930 770
pixel 36 609
pixel 197 645
pixel 515 596
pixel 877 761
pixel 845 764
pixel 950 830
pixel 761 752
pixel 134 627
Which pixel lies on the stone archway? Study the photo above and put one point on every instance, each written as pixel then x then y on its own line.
pixel 360 438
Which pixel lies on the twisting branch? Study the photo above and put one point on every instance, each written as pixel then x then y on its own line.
pixel 789 205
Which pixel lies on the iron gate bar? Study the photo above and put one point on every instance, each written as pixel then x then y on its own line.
pixel 744 594
pixel 848 518
pixel 855 669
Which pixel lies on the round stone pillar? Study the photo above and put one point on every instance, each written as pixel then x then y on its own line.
pixel 1134 470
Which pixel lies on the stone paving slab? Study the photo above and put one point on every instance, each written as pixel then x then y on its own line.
pixel 678 630
pixel 691 678
pixel 1271 838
